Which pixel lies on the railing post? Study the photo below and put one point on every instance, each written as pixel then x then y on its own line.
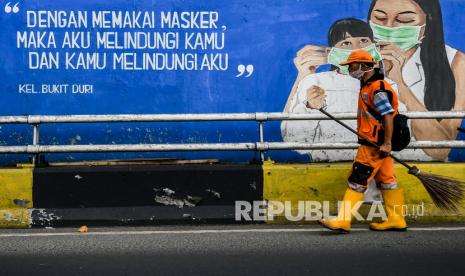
pixel 261 139
pixel 35 142
pixel 261 117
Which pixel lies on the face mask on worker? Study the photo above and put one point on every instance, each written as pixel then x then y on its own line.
pixel 359 73
pixel 337 55
pixel 406 37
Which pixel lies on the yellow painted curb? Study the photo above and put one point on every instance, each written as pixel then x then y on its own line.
pixel 15 197
pixel 15 218
pixel 328 182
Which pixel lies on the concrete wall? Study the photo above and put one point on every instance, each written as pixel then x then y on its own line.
pixel 16 199
pixel 321 183
pixel 161 194
pixel 121 195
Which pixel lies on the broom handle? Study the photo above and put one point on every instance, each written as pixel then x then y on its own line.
pixel 363 137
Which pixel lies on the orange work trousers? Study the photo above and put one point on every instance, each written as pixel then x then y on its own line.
pixel 369 164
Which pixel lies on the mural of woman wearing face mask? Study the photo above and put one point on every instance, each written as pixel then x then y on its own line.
pixel 428 75
pixel 335 87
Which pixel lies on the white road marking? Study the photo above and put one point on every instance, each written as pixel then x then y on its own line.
pixel 226 231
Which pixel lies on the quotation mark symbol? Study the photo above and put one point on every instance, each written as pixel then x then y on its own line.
pixel 9 9
pixel 242 69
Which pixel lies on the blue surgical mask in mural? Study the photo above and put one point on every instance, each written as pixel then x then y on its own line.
pixel 406 37
pixel 338 55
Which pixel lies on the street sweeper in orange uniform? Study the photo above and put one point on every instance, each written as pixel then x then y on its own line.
pixel 377 106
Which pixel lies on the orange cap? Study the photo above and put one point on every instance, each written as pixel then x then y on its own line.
pixel 361 56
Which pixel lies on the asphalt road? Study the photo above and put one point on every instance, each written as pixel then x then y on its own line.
pixel 233 250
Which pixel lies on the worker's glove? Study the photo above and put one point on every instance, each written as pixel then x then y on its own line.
pixel 316 98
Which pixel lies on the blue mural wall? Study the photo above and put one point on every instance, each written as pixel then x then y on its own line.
pixel 239 58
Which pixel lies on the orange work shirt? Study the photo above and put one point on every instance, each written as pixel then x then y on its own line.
pixel 369 121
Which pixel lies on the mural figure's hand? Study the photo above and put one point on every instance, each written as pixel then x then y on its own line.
pixel 394 59
pixel 309 58
pixel 316 97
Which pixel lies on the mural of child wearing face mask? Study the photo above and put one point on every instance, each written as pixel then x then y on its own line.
pixel 428 75
pixel 335 89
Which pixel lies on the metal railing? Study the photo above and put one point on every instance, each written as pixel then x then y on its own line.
pixel 261 146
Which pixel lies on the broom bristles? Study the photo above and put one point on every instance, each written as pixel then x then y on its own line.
pixel 447 193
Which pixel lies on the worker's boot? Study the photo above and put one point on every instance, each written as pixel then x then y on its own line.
pixel 393 201
pixel 343 221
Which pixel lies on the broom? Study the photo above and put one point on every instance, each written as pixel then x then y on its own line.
pixel 446 193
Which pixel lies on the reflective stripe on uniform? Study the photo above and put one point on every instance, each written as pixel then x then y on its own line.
pixel 382 103
pixel 387 186
pixel 357 187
